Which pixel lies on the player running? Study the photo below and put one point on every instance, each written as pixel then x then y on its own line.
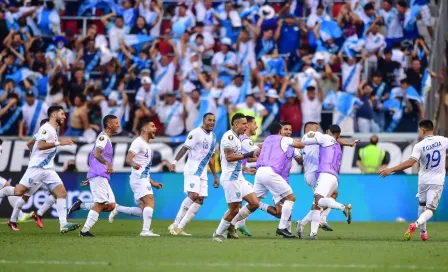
pixel 201 143
pixel 22 216
pixel 310 157
pixel 100 162
pixel 330 155
pixel 40 172
pixel 139 157
pixel 236 188
pixel 430 153
pixel 273 167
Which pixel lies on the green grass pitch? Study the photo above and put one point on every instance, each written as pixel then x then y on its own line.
pixel 118 247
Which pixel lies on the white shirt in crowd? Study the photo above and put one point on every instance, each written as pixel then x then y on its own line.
pixel 199 142
pixel 172 118
pixel 352 86
pixel 166 83
pixel 28 113
pixel 115 35
pixel 311 109
pixel 231 92
pixel 374 42
pixel 246 54
pixel 394 30
pixel 193 113
pixel 145 96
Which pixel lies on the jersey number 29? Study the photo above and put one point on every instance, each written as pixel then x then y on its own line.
pixel 435 157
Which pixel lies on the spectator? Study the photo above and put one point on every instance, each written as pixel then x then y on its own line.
pixel 109 76
pixel 204 14
pixel 11 117
pixel 288 34
pixel 291 111
pixel 421 52
pixel 129 13
pixel 375 42
pixel 77 85
pixel 351 73
pixel 272 106
pixel 390 19
pixel 146 99
pixel 48 19
pixel 246 49
pixel 116 31
pixel 387 67
pixel 78 118
pixel 380 94
pixel 408 19
pixel 58 91
pixel 365 117
pixel 140 27
pixel 310 104
pixel 33 111
pixel 266 44
pixel 414 75
pixel 347 21
pixel 231 93
pixel 371 158
pixel 413 111
pixel 185 16
pixel 208 42
pixel 191 105
pixel 165 69
pixel 90 56
pixel 172 115
pixel 152 14
pixel 251 107
pixel 366 17
pixel 224 62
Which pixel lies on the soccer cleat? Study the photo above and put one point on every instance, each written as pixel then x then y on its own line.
pixel 148 233
pixel 244 230
pixel 69 227
pixel 86 234
pixel 25 217
pixel 348 212
pixel 38 220
pixel 312 237
pixel 424 236
pixel 325 226
pixel 13 226
pixel 299 229
pixel 285 233
pixel 171 227
pixel 112 215
pixel 410 231
pixel 231 232
pixel 75 207
pixel 218 238
pixel 178 231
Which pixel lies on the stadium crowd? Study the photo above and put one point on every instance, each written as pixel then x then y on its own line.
pixel 364 61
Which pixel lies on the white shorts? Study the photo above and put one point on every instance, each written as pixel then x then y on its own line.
pixel 141 187
pixel 426 15
pixel 35 178
pixel 196 184
pixel 429 194
pixel 266 180
pixel 236 190
pixel 326 184
pixel 310 179
pixel 101 190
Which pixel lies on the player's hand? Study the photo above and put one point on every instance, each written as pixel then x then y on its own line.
pixel 66 142
pixel 136 166
pixel 251 171
pixel 85 183
pixel 311 135
pixel 109 170
pixel 172 167
pixel 353 144
pixel 385 172
pixel 156 185
pixel 215 182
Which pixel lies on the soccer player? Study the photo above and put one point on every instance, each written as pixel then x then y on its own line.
pixel 236 188
pixel 40 170
pixel 139 157
pixel 100 162
pixel 430 153
pixel 273 171
pixel 310 164
pixel 330 155
pixel 201 144
pixel 22 217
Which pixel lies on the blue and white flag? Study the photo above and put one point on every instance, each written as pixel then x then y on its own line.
pixel 343 102
pixel 329 29
pixel 249 11
pixel 246 87
pixel 107 5
pixel 396 107
pixel 22 74
pixel 221 115
pixel 137 41
pixel 352 46
pixel 412 94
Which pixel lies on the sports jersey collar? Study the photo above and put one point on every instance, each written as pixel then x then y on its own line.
pixel 428 136
pixel 234 133
pixel 205 131
pixel 143 139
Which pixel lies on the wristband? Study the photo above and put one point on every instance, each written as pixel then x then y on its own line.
pixel 248 155
pixel 57 143
pixel 174 162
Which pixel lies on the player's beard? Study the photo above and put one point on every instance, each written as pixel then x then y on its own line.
pixel 60 121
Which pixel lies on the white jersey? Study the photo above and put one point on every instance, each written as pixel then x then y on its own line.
pixel 143 157
pixel 202 146
pixel 430 153
pixel 310 155
pixel 44 158
pixel 231 170
pixel 247 145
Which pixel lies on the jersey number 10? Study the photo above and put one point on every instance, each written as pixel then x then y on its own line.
pixel 435 157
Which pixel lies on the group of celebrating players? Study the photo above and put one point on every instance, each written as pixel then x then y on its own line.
pixel 320 154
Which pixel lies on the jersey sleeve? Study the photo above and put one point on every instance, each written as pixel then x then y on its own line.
pixel 227 141
pixel 101 142
pixel 248 145
pixel 416 153
pixel 316 139
pixel 191 141
pixel 297 153
pixel 135 148
pixel 43 134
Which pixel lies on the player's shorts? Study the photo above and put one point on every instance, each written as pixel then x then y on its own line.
pixel 141 187
pixel 326 184
pixel 101 190
pixel 35 178
pixel 196 184
pixel 310 179
pixel 266 180
pixel 236 190
pixel 429 194
pixel 426 15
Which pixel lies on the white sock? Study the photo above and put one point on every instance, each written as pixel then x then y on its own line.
pixel 263 207
pixel 13 200
pixel 315 221
pixel 286 214
pixel 21 214
pixel 242 222
pixel 223 226
pixel 49 201
pixel 324 214
pixel 86 206
pixel 183 210
pixel 288 225
pixel 61 208
pixel 191 213
pixel 17 208
pixel 7 191
pixel 135 211
pixel 306 219
pixel 425 216
pixel 147 218
pixel 328 202
pixel 92 217
pixel 242 214
pixel 421 209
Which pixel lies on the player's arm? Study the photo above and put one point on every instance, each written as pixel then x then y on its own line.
pixel 155 184
pixel 43 145
pixel 248 145
pixel 250 171
pixel 30 144
pixel 189 144
pixel 402 166
pixel 298 144
pixel 211 164
pixel 345 143
pixel 97 155
pixel 231 156
pixel 130 160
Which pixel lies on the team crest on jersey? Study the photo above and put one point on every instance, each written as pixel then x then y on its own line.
pixel 149 187
pixel 251 143
pixel 231 137
pixel 101 138
pixel 238 195
pixel 191 185
pixel 30 180
pixel 44 131
pixel 190 137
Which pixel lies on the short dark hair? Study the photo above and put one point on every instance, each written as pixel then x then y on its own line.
pixel 199 36
pixel 320 6
pixel 237 116
pixel 388 1
pixel 143 122
pixel 308 124
pixel 199 24
pixel 207 114
pixel 249 118
pixel 426 125
pixel 43 122
pixel 52 109
pixel 404 81
pixel 387 51
pixel 275 128
pixel 119 17
pixel 310 88
pixel 377 74
pixel 402 3
pixel 335 129
pixel 285 123
pixel 369 6
pixel 107 118
pixel 374 139
pixel 82 97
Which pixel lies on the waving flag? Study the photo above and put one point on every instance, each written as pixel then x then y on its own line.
pixel 246 84
pixel 394 106
pixel 22 74
pixel 353 45
pixel 107 5
pixel 329 29
pixel 137 41
pixel 343 102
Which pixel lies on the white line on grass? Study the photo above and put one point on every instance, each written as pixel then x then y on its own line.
pixel 228 264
